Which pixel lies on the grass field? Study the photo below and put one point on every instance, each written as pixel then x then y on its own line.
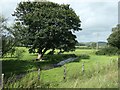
pixel 100 72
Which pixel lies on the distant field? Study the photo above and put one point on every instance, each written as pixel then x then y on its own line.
pixel 100 72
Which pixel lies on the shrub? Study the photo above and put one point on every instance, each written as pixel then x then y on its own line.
pixel 58 57
pixel 68 55
pixel 77 60
pixel 84 56
pixel 107 51
pixel 55 58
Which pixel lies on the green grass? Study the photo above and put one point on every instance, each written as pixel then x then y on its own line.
pixel 100 72
pixel 95 76
pixel 11 65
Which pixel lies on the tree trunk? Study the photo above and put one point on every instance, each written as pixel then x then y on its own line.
pixel 43 52
pixel 40 54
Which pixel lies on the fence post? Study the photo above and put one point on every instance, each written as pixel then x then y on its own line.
pixel 2 81
pixel 64 77
pixel 39 74
pixel 83 69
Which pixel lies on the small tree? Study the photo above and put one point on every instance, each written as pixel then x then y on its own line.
pixel 7 39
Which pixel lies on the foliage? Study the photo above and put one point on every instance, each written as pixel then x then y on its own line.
pixel 58 57
pixel 19 53
pixel 92 45
pixel 7 39
pixel 114 38
pixel 12 52
pixel 42 30
pixel 7 45
pixel 84 56
pixel 107 51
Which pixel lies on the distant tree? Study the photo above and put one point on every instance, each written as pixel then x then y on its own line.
pixel 92 45
pixel 46 25
pixel 107 51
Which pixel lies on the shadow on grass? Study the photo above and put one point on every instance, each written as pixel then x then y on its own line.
pixel 10 67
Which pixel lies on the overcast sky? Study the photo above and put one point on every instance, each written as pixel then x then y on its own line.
pixel 97 16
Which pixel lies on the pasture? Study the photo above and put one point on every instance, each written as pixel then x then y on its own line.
pixel 100 71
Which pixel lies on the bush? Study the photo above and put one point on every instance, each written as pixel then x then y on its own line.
pixel 84 56
pixel 55 58
pixel 77 60
pixel 107 51
pixel 58 57
pixel 68 55
pixel 19 53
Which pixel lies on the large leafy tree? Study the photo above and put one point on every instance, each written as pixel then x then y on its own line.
pixel 114 38
pixel 46 25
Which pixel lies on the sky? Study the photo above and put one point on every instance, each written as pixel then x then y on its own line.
pixel 97 17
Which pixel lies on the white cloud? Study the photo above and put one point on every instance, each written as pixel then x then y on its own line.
pixel 60 1
pixel 96 15
pixel 78 1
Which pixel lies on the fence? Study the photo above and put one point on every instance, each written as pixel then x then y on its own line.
pixel 82 69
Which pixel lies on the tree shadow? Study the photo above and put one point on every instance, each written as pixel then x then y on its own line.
pixel 11 67
pixel 16 67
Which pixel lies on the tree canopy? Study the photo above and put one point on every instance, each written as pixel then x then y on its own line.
pixel 114 38
pixel 46 25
